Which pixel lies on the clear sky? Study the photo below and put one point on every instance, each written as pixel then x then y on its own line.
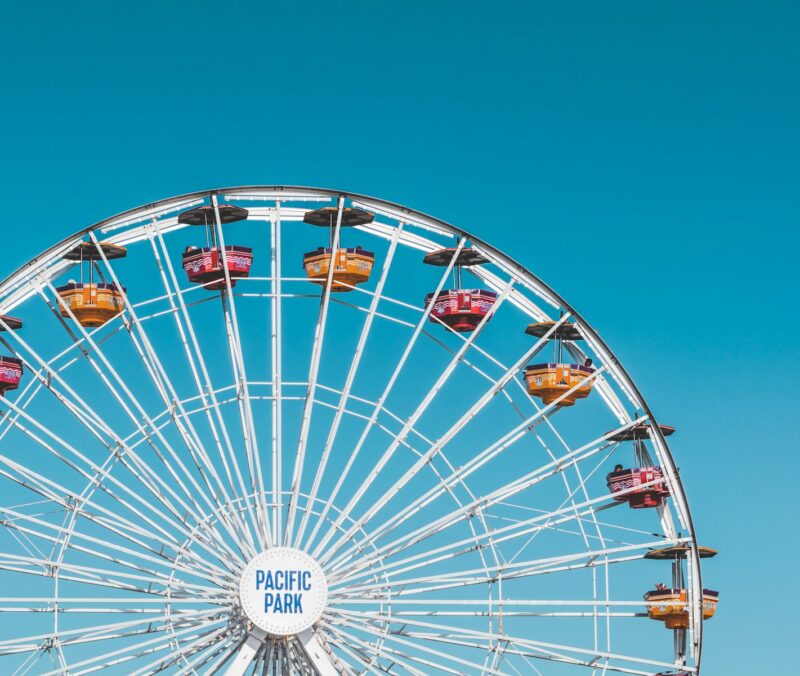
pixel 658 142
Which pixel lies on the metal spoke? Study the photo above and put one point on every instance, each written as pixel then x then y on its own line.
pixel 276 342
pixel 351 374
pixel 387 390
pixel 245 407
pixel 313 370
pixel 198 365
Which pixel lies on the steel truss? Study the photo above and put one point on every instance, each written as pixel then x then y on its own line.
pixel 463 526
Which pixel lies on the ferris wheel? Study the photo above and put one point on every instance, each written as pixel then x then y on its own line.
pixel 282 430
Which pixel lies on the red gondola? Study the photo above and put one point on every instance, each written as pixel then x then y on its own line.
pixel 642 486
pixel 206 265
pixel 459 309
pixel 10 367
pixel 10 374
pixel 651 495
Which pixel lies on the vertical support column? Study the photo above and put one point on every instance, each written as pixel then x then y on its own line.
pixel 316 654
pixel 246 653
pixel 679 635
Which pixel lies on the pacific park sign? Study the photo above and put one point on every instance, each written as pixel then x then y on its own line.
pixel 283 591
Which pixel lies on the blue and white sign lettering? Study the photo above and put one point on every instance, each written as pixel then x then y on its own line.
pixel 283 591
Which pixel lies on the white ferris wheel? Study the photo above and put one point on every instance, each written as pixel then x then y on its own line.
pixel 280 430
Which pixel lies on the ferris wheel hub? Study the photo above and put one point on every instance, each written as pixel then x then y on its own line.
pixel 283 591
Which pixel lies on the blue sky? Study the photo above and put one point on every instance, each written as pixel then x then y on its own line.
pixel 656 142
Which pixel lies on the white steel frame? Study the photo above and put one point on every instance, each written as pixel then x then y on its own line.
pixel 150 495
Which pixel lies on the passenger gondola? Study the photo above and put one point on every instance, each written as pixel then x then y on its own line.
pixel 642 486
pixel 351 266
pixel 206 265
pixel 92 303
pixel 670 604
pixel 459 309
pixel 558 380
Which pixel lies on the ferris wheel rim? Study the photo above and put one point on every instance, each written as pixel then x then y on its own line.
pixel 277 190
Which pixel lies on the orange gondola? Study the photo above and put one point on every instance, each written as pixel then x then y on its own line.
pixel 558 380
pixel 670 604
pixel 351 266
pixel 92 303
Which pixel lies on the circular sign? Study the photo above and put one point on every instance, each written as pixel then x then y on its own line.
pixel 283 591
